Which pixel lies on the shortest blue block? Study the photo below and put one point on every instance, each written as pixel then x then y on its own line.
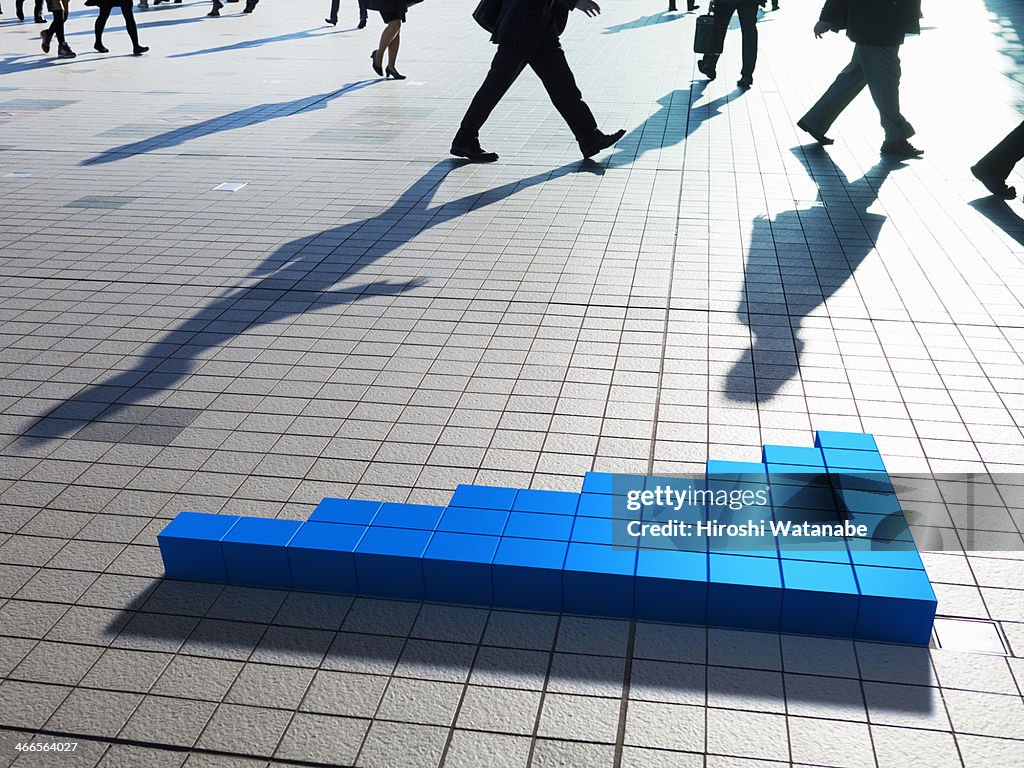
pixel 457 568
pixel 672 585
pixel 896 605
pixel 420 517
pixel 598 580
pixel 792 455
pixel 744 592
pixel 255 551
pixel 190 546
pixel 819 598
pixel 351 511
pixel 528 574
pixel 321 557
pixel 549 502
pixel 389 562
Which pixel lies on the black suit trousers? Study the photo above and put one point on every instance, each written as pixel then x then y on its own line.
pixel 547 60
pixel 1006 154
pixel 747 11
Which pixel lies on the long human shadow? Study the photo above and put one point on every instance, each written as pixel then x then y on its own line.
pixel 678 119
pixel 297 277
pixel 1002 215
pixel 242 118
pixel 796 261
pixel 304 34
pixel 662 17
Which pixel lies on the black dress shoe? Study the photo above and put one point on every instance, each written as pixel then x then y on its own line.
pixel 332 22
pixel 600 141
pixel 362 23
pixel 819 137
pixel 993 183
pixel 900 150
pixel 704 69
pixel 472 151
pixel 140 50
pixel 100 48
pixel 745 82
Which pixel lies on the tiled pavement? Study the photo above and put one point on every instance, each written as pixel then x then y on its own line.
pixel 365 318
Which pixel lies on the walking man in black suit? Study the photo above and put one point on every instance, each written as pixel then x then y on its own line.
pixel 994 167
pixel 746 10
pixel 877 29
pixel 527 34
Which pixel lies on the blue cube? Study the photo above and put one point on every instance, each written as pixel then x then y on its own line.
pixel 485 522
pixel 819 598
pixel 351 511
pixel 599 579
pixel 672 585
pixel 321 557
pixel 483 497
pixel 420 517
pixel 744 592
pixel 855 441
pixel 596 530
pixel 457 568
pixel 612 484
pixel 529 525
pixel 528 574
pixel 844 459
pixel 255 551
pixel 550 502
pixel 389 562
pixel 886 554
pixel 896 605
pixel 601 505
pixel 190 546
pixel 804 497
pixel 785 454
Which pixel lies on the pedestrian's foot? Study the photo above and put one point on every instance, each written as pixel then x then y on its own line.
pixel 818 136
pixel 20 12
pixel 472 151
pixel 215 12
pixel 100 49
pixel 392 72
pixel 64 52
pixel 47 37
pixel 332 22
pixel 361 24
pixel 901 150
pixel 375 64
pixel 40 19
pixel 139 50
pixel 708 72
pixel 745 82
pixel 249 8
pixel 600 141
pixel 692 6
pixel 993 183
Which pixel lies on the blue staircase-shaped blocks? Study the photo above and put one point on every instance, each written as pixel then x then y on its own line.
pixel 581 552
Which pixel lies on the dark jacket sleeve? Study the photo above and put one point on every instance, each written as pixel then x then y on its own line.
pixel 836 13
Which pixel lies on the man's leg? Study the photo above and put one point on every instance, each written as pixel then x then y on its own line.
pixel 881 67
pixel 843 90
pixel 506 66
pixel 994 167
pixel 723 15
pixel 748 28
pixel 549 63
pixel 333 17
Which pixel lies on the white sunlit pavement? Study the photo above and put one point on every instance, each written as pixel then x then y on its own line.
pixel 240 274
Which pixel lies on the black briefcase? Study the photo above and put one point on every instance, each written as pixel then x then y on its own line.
pixel 705 40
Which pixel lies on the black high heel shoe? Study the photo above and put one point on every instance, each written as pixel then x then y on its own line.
pixel 100 48
pixel 332 22
pixel 375 65
pixel 392 72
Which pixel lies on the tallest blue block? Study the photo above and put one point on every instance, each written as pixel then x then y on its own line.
pixel 573 552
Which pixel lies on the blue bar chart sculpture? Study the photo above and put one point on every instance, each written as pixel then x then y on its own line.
pixel 807 541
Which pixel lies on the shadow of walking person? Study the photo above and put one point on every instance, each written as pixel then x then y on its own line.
pixel 678 118
pixel 242 118
pixel 1002 215
pixel 796 262
pixel 298 277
